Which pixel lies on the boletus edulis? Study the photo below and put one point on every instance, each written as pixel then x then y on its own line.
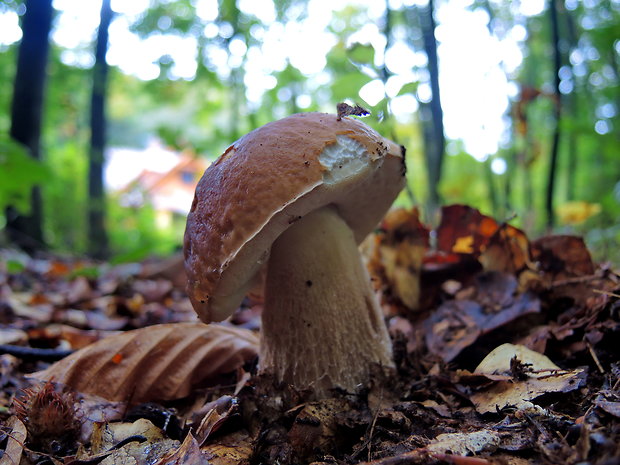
pixel 298 195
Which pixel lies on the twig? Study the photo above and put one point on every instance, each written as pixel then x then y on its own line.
pixel 595 358
pixel 610 294
pixel 422 455
pixel 372 425
pixel 34 354
pixel 577 280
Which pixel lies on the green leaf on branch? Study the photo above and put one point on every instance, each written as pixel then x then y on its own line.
pixel 361 54
pixel 348 86
pixel 409 88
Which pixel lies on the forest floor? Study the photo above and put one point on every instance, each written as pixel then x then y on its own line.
pixel 504 351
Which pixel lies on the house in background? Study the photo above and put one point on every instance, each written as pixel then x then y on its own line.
pixel 170 193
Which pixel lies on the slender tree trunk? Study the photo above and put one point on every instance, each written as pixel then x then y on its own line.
pixel 557 113
pixel 492 190
pixel 435 140
pixel 385 72
pixel 97 236
pixel 571 104
pixel 26 231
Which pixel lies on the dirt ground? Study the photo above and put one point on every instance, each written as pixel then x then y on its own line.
pixel 506 352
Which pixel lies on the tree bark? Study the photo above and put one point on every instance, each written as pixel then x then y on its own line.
pixel 557 112
pixel 571 103
pixel 434 134
pixel 26 231
pixel 97 236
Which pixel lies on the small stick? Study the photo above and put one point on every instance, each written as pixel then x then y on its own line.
pixel 372 426
pixel 595 358
pixel 610 294
pixel 33 353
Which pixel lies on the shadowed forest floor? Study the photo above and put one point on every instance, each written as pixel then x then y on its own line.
pixel 506 352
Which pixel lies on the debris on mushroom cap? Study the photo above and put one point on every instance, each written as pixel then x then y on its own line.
pixel 344 109
pixel 269 178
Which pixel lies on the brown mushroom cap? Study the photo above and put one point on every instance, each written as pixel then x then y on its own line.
pixel 266 181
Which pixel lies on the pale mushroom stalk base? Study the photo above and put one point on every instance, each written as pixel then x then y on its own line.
pixel 322 326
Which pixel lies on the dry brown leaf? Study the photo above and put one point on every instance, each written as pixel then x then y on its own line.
pixel 234 449
pixel 140 442
pixel 315 427
pixel 542 376
pixel 188 454
pixel 396 252
pixel 16 436
pixel 212 421
pixel 160 362
pixel 498 246
pixel 562 257
pixel 465 443
pixel 457 324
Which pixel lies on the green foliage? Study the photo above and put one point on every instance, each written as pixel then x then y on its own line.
pixel 178 17
pixel 65 197
pixel 208 113
pixel 362 54
pixel 135 235
pixel 14 266
pixel 19 172
pixel 347 86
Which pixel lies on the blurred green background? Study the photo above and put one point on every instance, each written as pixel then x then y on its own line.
pixel 509 107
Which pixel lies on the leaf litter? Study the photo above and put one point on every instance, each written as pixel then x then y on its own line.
pixel 505 352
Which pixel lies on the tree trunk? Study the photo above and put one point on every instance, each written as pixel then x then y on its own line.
pixel 23 230
pixel 434 135
pixel 97 236
pixel 557 113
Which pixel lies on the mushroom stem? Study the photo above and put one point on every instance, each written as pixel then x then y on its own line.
pixel 322 326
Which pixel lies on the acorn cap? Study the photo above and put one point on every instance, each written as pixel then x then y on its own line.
pixel 272 177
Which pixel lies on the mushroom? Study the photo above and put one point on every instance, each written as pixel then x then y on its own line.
pixel 297 196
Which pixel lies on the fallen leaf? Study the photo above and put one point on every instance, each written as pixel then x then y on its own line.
pixel 540 377
pixel 137 442
pixel 464 229
pixel 188 453
pixel 441 410
pixel 214 419
pixel 16 437
pixel 494 302
pixel 577 211
pixel 13 336
pixel 498 246
pixel 609 401
pixel 160 362
pixel 613 408
pixel 562 256
pixel 233 449
pixel 315 426
pixel 396 253
pixel 465 443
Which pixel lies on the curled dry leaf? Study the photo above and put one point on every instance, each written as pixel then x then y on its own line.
pixel 214 418
pixel 396 252
pixel 160 362
pixel 538 376
pixel 498 246
pixel 187 454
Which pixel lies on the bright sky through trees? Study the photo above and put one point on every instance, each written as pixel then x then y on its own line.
pixel 473 64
